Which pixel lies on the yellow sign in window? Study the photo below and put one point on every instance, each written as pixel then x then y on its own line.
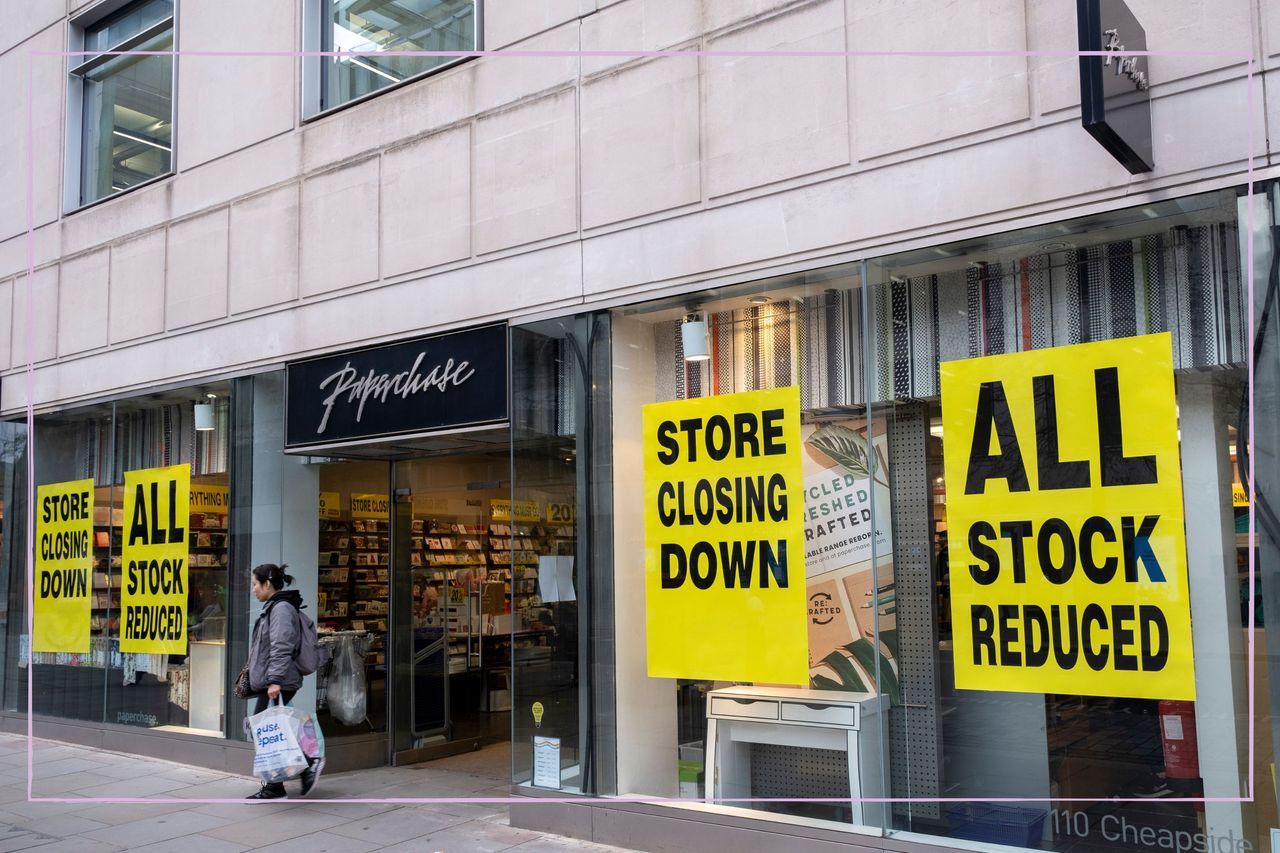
pixel 724 538
pixel 1064 503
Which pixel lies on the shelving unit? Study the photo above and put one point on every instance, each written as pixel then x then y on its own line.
pixel 104 616
pixel 353 582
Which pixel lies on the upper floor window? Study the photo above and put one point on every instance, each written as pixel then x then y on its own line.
pixel 125 101
pixel 381 29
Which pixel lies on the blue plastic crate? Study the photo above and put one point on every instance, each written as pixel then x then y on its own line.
pixel 1017 826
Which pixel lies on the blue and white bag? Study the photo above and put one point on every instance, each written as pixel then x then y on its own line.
pixel 276 753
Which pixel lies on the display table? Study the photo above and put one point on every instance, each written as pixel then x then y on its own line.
pixel 845 722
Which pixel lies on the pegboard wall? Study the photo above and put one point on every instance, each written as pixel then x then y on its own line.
pixel 800 772
pixel 914 735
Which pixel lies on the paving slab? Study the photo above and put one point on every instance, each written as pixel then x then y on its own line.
pixel 317 824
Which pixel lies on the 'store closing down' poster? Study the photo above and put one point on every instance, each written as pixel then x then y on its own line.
pixel 724 538
pixel 64 566
pixel 153 596
pixel 1064 504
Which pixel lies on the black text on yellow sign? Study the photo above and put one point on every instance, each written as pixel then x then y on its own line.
pixel 724 538
pixel 64 566
pixel 1064 505
pixel 153 597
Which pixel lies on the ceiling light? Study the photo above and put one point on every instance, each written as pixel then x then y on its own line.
pixel 133 138
pixel 204 414
pixel 694 337
pixel 759 300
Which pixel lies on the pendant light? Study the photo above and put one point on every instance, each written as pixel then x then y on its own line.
pixel 694 337
pixel 204 414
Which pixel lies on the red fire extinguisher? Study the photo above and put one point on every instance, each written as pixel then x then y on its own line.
pixel 1178 735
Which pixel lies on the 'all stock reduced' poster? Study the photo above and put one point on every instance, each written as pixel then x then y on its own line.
pixel 153 601
pixel 846 475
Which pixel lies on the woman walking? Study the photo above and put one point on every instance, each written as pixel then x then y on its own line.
pixel 273 650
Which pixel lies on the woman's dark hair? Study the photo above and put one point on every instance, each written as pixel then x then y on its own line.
pixel 272 574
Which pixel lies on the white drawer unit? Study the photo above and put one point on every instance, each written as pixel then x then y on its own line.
pixel 738 717
pixel 747 709
pixel 844 716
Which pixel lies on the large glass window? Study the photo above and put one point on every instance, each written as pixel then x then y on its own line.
pixel 865 345
pixel 380 30
pixel 1100 771
pixel 186 431
pixel 126 122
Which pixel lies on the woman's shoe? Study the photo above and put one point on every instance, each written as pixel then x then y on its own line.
pixel 268 792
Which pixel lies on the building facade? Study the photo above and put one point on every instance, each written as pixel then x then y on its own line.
pixel 394 320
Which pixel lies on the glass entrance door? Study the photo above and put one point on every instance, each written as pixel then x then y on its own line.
pixel 451 598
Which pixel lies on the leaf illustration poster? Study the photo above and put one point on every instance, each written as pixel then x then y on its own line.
pixel 838 519
pixel 845 598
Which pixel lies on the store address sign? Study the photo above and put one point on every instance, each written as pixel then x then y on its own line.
pixel 437 382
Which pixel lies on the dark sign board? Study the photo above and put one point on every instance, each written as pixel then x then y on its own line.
pixel 437 382
pixel 1115 98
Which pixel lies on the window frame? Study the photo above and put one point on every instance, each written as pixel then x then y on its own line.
pixel 77 69
pixel 314 18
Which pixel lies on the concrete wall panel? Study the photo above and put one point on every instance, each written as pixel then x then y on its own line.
pixel 409 111
pixel 502 80
pixel 196 274
pixel 640 134
pixel 82 302
pixel 46 245
pixel 263 264
pixel 509 21
pixel 904 103
pixel 772 118
pixel 123 216
pixel 43 323
pixel 426 203
pixel 226 103
pixel 18 69
pixel 340 228
pixel 525 173
pixel 638 25
pixel 24 20
pixel 243 173
pixel 137 287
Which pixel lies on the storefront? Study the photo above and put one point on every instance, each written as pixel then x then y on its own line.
pixel 465 513
pixel 1129 763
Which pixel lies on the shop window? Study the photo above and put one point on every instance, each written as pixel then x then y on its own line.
pixel 122 135
pixel 864 349
pixel 1170 267
pixel 378 31
pixel 182 689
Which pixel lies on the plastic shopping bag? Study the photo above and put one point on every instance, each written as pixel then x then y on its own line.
pixel 276 753
pixel 346 691
pixel 310 738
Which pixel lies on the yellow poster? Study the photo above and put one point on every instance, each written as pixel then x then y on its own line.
pixel 153 596
pixel 209 498
pixel 505 510
pixel 724 538
pixel 330 505
pixel 370 506
pixel 64 566
pixel 1064 503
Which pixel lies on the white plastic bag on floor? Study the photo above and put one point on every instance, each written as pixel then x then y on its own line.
pixel 346 691
pixel 276 753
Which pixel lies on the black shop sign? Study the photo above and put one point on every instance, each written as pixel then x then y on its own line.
pixel 1115 89
pixel 437 382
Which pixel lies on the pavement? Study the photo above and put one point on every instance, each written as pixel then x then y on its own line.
pixel 312 825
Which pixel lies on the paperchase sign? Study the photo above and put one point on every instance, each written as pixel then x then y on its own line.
pixel 1115 96
pixel 437 382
